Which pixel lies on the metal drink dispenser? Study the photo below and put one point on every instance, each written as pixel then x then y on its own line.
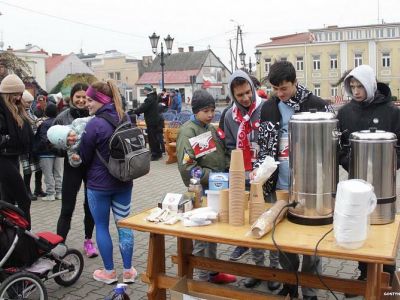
pixel 313 141
pixel 373 158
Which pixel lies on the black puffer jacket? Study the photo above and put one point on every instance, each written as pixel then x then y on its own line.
pixel 13 139
pixel 150 110
pixel 380 113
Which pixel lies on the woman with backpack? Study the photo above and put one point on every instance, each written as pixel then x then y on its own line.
pixel 106 192
pixel 73 176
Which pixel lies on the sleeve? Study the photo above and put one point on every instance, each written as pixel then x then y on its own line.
pixel 87 149
pixel 146 105
pixel 344 147
pixel 396 130
pixel 187 160
pixel 230 136
pixel 73 163
pixel 4 137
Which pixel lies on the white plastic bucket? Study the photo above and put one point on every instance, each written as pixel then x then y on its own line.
pixel 213 200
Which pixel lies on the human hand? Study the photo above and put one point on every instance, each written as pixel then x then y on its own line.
pixel 253 174
pixel 75 157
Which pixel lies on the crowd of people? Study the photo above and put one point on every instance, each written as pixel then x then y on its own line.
pixel 57 141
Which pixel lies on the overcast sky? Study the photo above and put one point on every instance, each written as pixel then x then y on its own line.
pixel 99 25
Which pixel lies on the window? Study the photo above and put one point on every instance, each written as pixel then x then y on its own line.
pixel 379 33
pixel 334 91
pixel 268 90
pixel 390 32
pixel 316 62
pixel 283 58
pixel 117 76
pixel 357 60
pixel 267 62
pixel 333 62
pixel 299 63
pixel 317 89
pixel 111 75
pixel 386 60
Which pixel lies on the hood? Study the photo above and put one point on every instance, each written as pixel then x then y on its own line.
pixel 364 74
pixel 57 135
pixel 242 74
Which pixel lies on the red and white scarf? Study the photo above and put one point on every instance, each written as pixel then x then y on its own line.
pixel 245 128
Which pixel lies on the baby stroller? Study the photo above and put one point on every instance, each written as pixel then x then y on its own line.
pixel 27 259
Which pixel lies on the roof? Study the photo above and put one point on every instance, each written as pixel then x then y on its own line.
pixel 297 38
pixel 169 77
pixel 53 61
pixel 180 61
pixel 335 27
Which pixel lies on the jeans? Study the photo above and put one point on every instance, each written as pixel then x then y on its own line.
pixel 204 249
pixel 52 168
pixel 100 203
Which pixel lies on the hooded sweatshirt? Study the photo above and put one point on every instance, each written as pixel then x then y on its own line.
pixel 232 125
pixel 378 111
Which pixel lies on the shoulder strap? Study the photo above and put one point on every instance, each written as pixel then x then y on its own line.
pixel 108 118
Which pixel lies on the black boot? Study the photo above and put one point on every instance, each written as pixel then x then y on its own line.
pixel 27 181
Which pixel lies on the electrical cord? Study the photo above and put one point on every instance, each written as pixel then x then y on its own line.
pixel 315 264
pixel 280 252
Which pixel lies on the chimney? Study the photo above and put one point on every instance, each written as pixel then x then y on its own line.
pixel 180 49
pixel 10 49
pixel 55 54
pixel 191 48
pixel 27 46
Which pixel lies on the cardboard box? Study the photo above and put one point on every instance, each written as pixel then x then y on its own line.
pixel 179 203
pixel 181 291
pixel 218 181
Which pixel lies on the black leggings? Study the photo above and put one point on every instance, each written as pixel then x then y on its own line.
pixel 12 185
pixel 72 179
pixel 38 181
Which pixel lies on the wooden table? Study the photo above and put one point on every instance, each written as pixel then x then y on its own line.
pixel 380 248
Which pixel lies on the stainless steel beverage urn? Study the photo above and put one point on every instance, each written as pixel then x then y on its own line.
pixel 313 141
pixel 373 158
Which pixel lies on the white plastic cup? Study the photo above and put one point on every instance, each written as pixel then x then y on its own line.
pixel 213 200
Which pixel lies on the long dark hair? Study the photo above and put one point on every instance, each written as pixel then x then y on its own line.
pixel 76 88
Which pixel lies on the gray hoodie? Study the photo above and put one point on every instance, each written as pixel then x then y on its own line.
pixel 365 75
pixel 231 127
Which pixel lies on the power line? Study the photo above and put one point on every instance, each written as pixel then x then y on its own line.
pixel 72 21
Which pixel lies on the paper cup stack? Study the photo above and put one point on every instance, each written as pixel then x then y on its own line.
pixel 224 206
pixel 236 188
pixel 256 202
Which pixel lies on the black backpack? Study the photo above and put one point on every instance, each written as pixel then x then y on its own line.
pixel 129 157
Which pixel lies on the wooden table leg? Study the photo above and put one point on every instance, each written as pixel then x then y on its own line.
pixel 184 249
pixel 156 266
pixel 372 292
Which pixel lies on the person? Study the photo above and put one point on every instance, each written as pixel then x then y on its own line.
pixel 29 161
pixel 203 107
pixel 73 177
pixel 16 138
pixel 370 106
pixel 241 123
pixel 152 117
pixel 50 163
pixel 40 106
pixel 106 192
pixel 289 97
pixel 163 100
pixel 174 101
pixel 68 137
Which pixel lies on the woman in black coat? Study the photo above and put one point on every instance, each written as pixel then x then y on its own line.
pixel 16 138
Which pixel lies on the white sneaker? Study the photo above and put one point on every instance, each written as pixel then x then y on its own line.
pixel 58 196
pixel 49 198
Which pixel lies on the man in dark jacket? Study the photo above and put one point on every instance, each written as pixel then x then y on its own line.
pixel 153 120
pixel 370 106
pixel 289 97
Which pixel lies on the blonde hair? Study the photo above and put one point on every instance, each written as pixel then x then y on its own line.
pixel 110 89
pixel 17 110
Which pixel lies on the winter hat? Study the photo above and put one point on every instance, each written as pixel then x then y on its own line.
pixel 57 135
pixel 366 76
pixel 12 84
pixel 51 110
pixel 148 87
pixel 27 97
pixel 202 99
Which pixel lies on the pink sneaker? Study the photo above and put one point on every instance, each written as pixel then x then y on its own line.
pixel 90 249
pixel 103 276
pixel 129 276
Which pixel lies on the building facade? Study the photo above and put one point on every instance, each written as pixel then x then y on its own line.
pixel 186 72
pixel 125 70
pixel 321 56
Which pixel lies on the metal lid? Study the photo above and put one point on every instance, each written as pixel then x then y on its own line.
pixel 373 135
pixel 314 115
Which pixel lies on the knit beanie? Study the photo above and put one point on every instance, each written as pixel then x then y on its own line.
pixel 27 97
pixel 51 110
pixel 202 99
pixel 57 135
pixel 148 87
pixel 12 84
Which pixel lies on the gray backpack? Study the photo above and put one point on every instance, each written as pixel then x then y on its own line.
pixel 129 157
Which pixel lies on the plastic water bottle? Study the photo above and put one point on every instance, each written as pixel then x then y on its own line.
pixel 195 186
pixel 119 293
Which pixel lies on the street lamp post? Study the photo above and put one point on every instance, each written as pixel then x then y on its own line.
pixel 154 44
pixel 257 54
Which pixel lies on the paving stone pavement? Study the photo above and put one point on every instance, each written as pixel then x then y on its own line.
pixel 147 191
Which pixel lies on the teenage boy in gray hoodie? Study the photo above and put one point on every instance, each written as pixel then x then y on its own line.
pixel 241 125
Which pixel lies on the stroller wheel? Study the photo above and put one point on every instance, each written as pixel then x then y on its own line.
pixel 23 285
pixel 73 262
